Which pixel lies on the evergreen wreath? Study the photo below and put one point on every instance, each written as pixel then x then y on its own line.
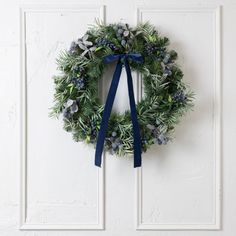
pixel 166 97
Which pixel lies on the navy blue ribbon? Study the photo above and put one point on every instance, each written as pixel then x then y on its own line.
pixel 121 59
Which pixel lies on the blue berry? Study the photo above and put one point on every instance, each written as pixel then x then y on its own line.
pixel 78 82
pixel 81 69
pixel 180 96
pixel 93 135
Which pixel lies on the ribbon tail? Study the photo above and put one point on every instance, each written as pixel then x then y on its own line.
pixel 106 114
pixel 136 131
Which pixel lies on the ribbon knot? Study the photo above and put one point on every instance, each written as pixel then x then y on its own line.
pixel 121 59
pixel 136 57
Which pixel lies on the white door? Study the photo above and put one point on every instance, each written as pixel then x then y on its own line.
pixel 49 184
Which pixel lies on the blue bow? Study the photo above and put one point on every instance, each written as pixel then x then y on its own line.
pixel 121 59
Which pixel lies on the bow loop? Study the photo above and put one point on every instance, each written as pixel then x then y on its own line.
pixel 136 57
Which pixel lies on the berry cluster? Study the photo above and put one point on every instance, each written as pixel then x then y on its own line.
pixel 79 79
pixel 180 96
pixel 78 82
pixel 106 43
pixel 151 48
pixel 78 70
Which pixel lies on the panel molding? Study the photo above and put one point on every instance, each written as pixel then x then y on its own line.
pixel 216 225
pixel 23 225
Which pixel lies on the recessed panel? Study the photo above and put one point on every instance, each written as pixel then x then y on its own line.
pixel 177 183
pixel 63 187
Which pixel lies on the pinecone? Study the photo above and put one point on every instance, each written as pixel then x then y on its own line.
pixel 180 96
pixel 151 48
pixel 106 43
pixel 78 69
pixel 81 70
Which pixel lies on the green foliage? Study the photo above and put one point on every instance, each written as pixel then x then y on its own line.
pixel 166 98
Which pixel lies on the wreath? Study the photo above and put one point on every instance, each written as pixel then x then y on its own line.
pixel 141 49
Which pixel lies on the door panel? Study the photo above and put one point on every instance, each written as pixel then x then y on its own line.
pixel 63 188
pixel 186 195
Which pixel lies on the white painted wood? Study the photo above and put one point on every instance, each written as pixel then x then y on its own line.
pixel 140 225
pixel 24 225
